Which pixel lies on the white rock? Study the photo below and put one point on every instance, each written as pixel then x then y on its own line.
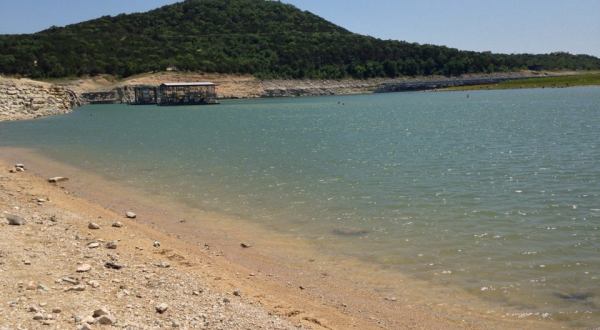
pixel 161 308
pixel 84 268
pixel 130 215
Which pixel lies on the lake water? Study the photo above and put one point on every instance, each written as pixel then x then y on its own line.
pixel 495 192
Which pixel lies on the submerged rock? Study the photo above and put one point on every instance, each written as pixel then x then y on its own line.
pixel 57 179
pixel 350 232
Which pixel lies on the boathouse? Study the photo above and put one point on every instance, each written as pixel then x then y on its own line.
pixel 184 93
pixel 145 95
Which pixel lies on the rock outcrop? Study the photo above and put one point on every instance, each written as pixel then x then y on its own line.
pixel 27 99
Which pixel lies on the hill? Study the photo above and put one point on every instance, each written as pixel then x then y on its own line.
pixel 265 38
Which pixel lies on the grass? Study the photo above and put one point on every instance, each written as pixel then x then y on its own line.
pixel 584 79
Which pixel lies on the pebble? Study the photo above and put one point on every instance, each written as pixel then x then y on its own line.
pixel 111 245
pixel 130 215
pixel 113 265
pixel 15 220
pixel 70 280
pixel 38 316
pixel 237 293
pixel 57 179
pixel 117 224
pixel 56 310
pixel 93 225
pixel 161 308
pixel 100 311
pixel 93 283
pixel 245 245
pixel 93 245
pixel 84 326
pixel 106 320
pixel 84 268
pixel 79 287
pixel 156 244
pixel 163 264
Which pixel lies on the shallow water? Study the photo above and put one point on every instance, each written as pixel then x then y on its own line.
pixel 497 193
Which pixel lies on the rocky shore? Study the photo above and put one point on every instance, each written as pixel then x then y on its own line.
pixel 67 264
pixel 27 99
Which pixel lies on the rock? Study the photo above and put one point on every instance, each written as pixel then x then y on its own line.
pixel 100 311
pixel 237 293
pixel 19 165
pixel 94 284
pixel 93 225
pixel 53 218
pixel 106 320
pixel 57 179
pixel 56 310
pixel 84 268
pixel 130 215
pixel 38 316
pixel 93 245
pixel 161 308
pixel 89 320
pixel 117 224
pixel 245 245
pixel 33 309
pixel 84 326
pixel 15 220
pixel 226 300
pixel 70 280
pixel 163 264
pixel 113 265
pixel 79 287
pixel 350 232
pixel 111 245
pixel 156 244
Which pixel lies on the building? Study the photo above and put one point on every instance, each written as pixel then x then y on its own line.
pixel 145 95
pixel 184 93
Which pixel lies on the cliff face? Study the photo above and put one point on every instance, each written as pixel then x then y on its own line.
pixel 27 99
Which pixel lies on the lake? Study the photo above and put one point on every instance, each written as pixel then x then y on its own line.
pixel 494 192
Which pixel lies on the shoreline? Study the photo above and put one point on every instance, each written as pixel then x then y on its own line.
pixel 296 288
pixel 24 99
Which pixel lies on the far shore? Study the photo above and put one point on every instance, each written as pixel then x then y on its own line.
pixel 28 99
pixel 270 281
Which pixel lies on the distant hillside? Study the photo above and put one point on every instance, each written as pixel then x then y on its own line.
pixel 264 38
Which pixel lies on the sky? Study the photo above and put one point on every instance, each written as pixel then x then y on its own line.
pixel 506 26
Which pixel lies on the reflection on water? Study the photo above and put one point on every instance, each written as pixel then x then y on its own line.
pixel 497 193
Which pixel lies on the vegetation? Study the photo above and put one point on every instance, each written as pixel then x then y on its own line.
pixel 264 38
pixel 586 79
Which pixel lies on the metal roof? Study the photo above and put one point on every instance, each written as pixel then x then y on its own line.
pixel 199 83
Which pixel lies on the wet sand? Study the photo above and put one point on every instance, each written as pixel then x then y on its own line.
pixel 283 275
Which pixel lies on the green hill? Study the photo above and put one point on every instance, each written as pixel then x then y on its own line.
pixel 264 38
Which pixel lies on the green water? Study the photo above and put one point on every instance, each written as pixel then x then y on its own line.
pixel 497 193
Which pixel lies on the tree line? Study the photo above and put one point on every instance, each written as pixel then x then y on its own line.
pixel 264 38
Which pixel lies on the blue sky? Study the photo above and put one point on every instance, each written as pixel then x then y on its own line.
pixel 507 26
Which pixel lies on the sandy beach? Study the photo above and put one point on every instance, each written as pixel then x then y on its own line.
pixel 216 277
